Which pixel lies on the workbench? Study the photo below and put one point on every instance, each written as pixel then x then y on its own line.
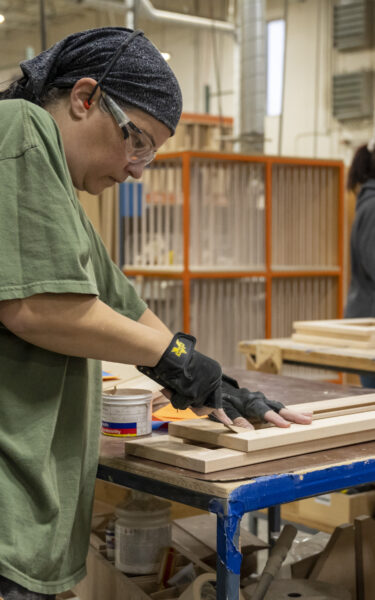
pixel 270 354
pixel 232 493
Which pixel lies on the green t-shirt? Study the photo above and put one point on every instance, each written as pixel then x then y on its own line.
pixel 49 403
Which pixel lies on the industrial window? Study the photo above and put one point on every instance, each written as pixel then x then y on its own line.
pixel 275 66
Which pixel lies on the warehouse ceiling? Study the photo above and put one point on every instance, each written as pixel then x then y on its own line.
pixel 25 14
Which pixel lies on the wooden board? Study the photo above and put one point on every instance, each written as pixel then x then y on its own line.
pixel 178 453
pixel 356 333
pixel 336 563
pixel 284 589
pixel 203 529
pixel 103 580
pixel 205 430
pixel 364 527
pixel 337 406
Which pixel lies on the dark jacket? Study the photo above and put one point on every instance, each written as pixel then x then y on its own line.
pixel 361 295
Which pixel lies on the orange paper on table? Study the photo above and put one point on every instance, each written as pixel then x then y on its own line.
pixel 168 413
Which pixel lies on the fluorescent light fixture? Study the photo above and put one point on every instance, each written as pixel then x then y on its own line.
pixel 275 66
pixel 2 18
pixel 166 55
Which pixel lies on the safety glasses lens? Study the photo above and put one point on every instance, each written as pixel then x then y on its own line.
pixel 139 147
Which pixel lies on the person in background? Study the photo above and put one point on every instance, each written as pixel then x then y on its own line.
pixel 361 294
pixel 87 113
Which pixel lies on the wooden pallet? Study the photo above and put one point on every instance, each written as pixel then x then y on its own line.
pixel 212 447
pixel 353 333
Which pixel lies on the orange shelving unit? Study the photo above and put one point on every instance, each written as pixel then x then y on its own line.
pixel 201 132
pixel 230 246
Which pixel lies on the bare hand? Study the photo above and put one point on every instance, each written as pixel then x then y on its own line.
pixel 218 412
pixel 282 419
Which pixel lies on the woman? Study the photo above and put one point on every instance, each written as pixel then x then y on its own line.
pixel 361 295
pixel 87 113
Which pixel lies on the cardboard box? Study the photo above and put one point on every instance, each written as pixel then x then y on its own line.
pixel 327 511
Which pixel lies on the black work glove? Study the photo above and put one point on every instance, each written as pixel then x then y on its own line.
pixel 240 402
pixel 193 378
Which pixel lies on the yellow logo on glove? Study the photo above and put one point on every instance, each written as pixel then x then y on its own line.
pixel 179 348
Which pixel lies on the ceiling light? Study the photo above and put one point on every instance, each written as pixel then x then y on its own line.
pixel 2 18
pixel 166 55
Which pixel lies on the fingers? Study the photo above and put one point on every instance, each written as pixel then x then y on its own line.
pixel 286 417
pixel 221 416
pixel 276 419
pixel 304 418
pixel 242 422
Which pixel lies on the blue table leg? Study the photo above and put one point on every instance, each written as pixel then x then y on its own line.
pixel 228 557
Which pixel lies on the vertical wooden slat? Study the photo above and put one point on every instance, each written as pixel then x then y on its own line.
pixel 126 225
pixel 186 240
pixel 268 227
pixel 146 189
pixel 237 224
pixel 194 204
pixel 302 214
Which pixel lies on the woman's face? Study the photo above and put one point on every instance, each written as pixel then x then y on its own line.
pixel 94 144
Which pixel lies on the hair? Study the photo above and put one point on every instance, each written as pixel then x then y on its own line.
pixel 362 168
pixel 17 89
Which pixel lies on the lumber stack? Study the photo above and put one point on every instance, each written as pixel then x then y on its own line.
pixel 352 333
pixel 205 446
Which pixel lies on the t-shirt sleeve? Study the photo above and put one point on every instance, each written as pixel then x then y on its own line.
pixel 115 289
pixel 43 244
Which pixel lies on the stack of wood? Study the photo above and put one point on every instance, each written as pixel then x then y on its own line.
pixel 201 132
pixel 205 446
pixel 349 333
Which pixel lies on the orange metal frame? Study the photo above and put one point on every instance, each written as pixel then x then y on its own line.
pixel 186 275
pixel 205 119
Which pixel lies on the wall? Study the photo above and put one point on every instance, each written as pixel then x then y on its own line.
pixel 307 125
pixel 192 59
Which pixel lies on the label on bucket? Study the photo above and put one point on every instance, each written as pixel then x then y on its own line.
pixel 126 421
pixel 119 428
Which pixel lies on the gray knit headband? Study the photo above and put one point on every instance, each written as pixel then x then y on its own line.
pixel 140 76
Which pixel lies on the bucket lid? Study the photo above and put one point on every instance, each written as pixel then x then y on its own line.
pixel 140 503
pixel 163 513
pixel 127 394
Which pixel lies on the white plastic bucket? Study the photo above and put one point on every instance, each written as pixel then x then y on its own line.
pixel 126 412
pixel 142 532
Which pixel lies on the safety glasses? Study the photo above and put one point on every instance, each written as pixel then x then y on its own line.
pixel 139 146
